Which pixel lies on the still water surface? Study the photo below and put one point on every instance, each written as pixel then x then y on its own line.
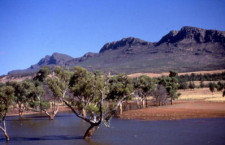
pixel 67 129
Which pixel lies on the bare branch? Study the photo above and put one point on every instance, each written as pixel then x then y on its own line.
pixel 113 111
pixel 46 112
pixel 75 112
pixel 2 128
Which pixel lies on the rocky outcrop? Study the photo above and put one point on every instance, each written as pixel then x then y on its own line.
pixel 125 42
pixel 194 34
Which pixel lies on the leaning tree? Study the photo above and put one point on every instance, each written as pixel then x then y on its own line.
pixel 6 99
pixel 90 91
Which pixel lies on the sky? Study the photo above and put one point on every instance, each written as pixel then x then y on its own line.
pixel 32 29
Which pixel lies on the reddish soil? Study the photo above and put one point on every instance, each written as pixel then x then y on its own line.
pixel 179 110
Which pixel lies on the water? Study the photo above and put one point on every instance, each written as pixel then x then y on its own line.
pixel 67 129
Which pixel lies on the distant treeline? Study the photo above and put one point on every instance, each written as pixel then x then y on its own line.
pixel 201 77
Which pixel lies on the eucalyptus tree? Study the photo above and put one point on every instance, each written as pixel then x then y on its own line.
pixel 58 83
pixel 191 85
pixel 42 74
pixel 90 92
pixel 160 96
pixel 39 103
pixel 120 86
pixel 6 99
pixel 144 86
pixel 212 87
pixel 24 95
pixel 220 86
pixel 29 96
pixel 171 85
pixel 183 85
pixel 202 85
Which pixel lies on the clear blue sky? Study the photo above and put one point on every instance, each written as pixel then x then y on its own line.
pixel 31 29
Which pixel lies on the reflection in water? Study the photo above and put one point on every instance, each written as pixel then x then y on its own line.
pixel 68 129
pixel 6 142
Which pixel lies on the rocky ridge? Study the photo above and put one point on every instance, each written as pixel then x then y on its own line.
pixel 189 49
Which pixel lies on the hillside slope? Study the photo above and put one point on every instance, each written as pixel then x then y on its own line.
pixel 189 49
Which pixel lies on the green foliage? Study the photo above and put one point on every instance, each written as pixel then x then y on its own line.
pixel 82 83
pixel 212 87
pixel 202 85
pixel 173 74
pixel 59 82
pixel 6 99
pixel 120 86
pixel 27 93
pixel 97 94
pixel 55 85
pixel 171 85
pixel 220 86
pixel 144 85
pixel 191 85
pixel 183 85
pixel 92 108
pixel 85 87
pixel 42 73
pixel 44 105
pixel 202 77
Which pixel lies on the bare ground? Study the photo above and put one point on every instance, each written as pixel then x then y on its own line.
pixel 167 73
pixel 179 110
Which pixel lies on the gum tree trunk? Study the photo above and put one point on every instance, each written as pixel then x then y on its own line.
pixel 53 114
pixel 21 110
pixel 6 135
pixel 143 103
pixel 91 130
pixel 20 114
pixel 121 108
pixel 83 112
pixel 3 128
pixel 146 103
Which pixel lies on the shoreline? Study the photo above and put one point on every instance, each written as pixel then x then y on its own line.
pixel 15 112
pixel 178 111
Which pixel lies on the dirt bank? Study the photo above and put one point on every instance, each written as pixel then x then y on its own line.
pixel 180 110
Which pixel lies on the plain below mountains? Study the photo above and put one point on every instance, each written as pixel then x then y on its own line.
pixel 189 49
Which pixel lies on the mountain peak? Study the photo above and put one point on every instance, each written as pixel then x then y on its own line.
pixel 190 28
pixel 122 43
pixel 177 50
pixel 193 34
pixel 55 59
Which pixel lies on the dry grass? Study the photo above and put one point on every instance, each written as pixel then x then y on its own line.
pixel 197 83
pixel 216 99
pixel 201 94
pixel 6 79
pixel 167 73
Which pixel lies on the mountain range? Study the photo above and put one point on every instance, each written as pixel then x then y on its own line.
pixel 189 49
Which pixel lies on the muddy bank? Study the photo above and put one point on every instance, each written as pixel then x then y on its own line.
pixel 179 110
